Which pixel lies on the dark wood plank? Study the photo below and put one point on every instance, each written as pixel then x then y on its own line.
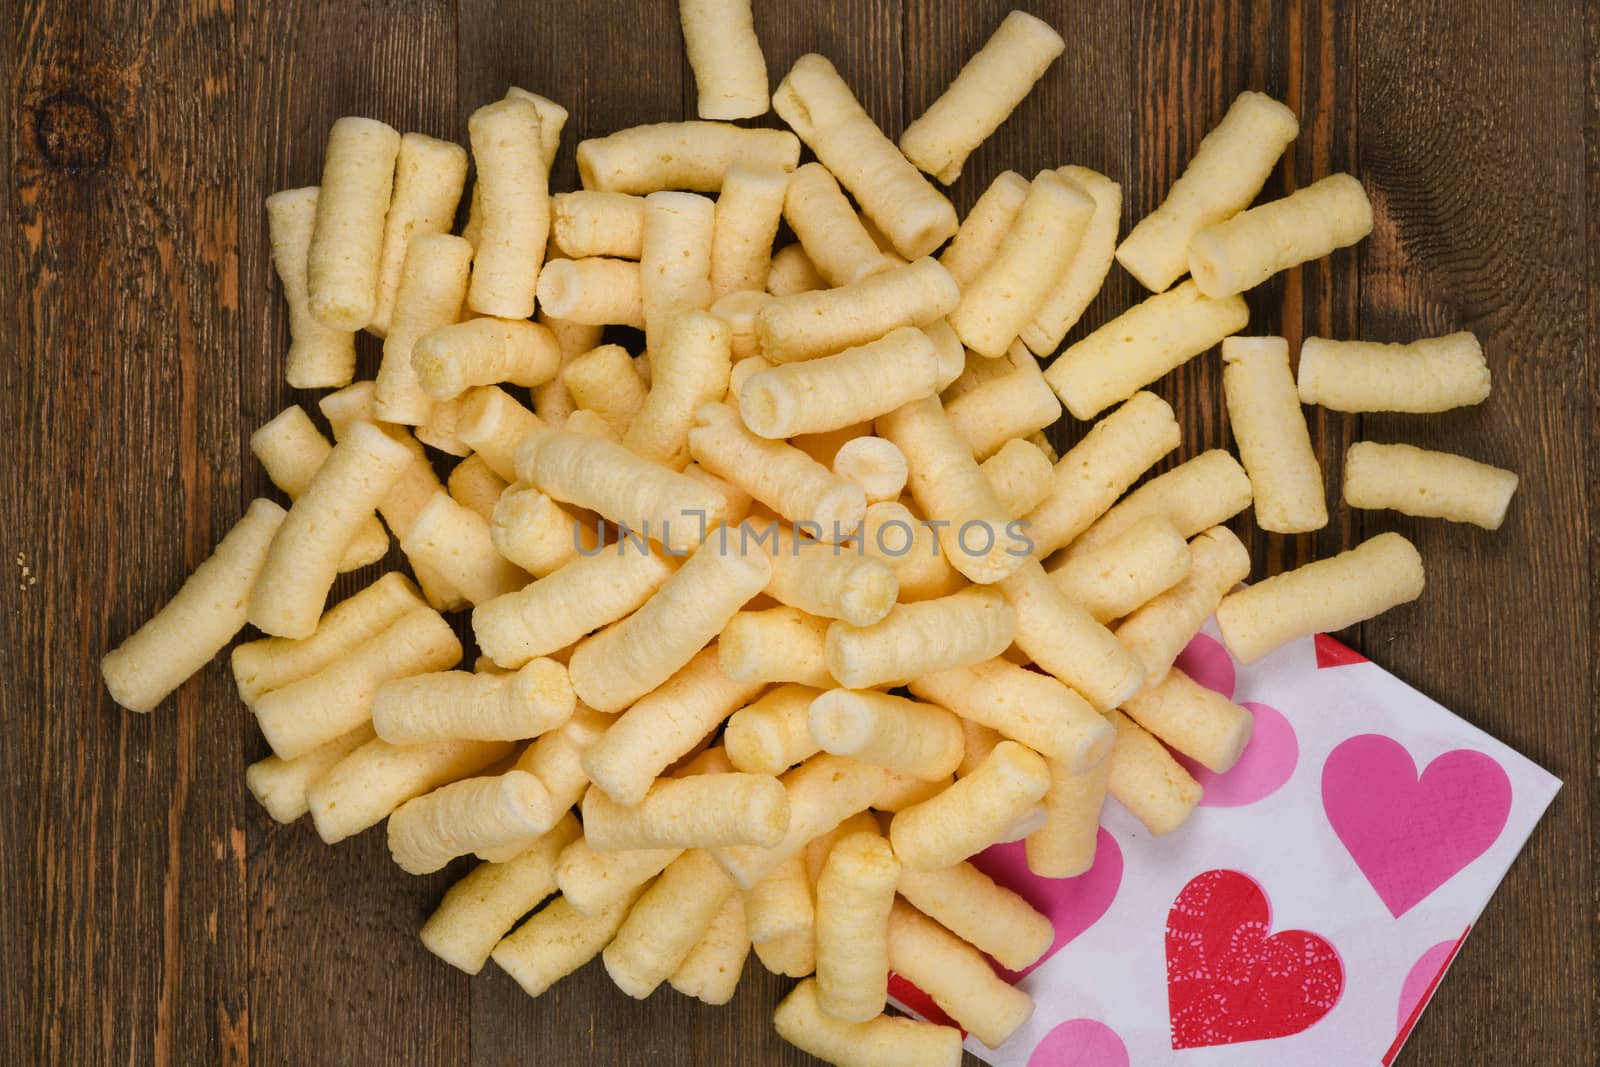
pixel 337 974
pixel 123 427
pixel 1460 106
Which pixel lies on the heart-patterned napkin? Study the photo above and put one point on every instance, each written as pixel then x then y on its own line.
pixel 1307 910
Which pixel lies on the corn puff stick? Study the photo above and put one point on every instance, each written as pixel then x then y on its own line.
pixel 956 976
pixel 904 790
pixel 831 392
pixel 748 212
pixel 978 742
pixel 1144 343
pixel 663 726
pixel 1034 709
pixel 1321 597
pixel 916 639
pixel 781 644
pixel 874 464
pixel 1274 444
pixel 594 291
pixel 1064 846
pixel 1199 722
pixel 440 430
pixel 556 757
pixel 556 611
pixel 552 120
pixel 781 903
pixel 1424 376
pixel 199 620
pixel 1159 630
pixel 829 230
pixel 805 325
pixel 1130 570
pixel 1115 452
pixel 280 785
pixel 666 922
pixel 1030 261
pixel 429 175
pixel 1010 406
pixel 303 558
pixel 1021 475
pixel 344 259
pixel 481 707
pixel 854 896
pixel 1196 495
pixel 473 815
pixel 974 813
pixel 912 738
pixel 1066 641
pixel 730 73
pixel 710 972
pixel 513 180
pixel 791 271
pixel 886 1041
pixel 557 941
pixel 475 486
pixel 689 367
pixel 991 918
pixel 551 399
pixel 907 544
pixel 985 226
pixel 1084 276
pixel 825 580
pixel 1435 485
pixel 1241 252
pixel 817 849
pixel 591 223
pixel 679 155
pixel 595 882
pixel 773 733
pixel 452 359
pixel 433 283
pixel 1147 781
pixel 454 541
pixel 362 789
pixel 949 488
pixel 675 259
pixel 738 310
pixel 603 380
pixel 1229 168
pixel 319 356
pixel 819 106
pixel 477 911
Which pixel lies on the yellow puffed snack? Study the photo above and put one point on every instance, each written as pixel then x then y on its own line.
pixel 736 501
pixel 429 175
pixel 891 532
pixel 477 911
pixel 861 822
pixel 551 399
pixel 1199 722
pixel 781 644
pixel 985 226
pixel 675 258
pixel 313 710
pixel 199 620
pixel 1065 640
pixel 829 229
pixel 493 423
pixel 1064 846
pixel 617 666
pixel 440 430
pixel 810 324
pixel 817 104
pixel 834 391
pixel 1087 272
pixel 854 896
pixel 1321 597
pixel 979 741
pixel 1030 261
pixel 828 580
pixel 1144 343
pixel 1196 495
pixel 345 257
pixel 280 785
pixel 1163 627
pixel 272 662
pixel 1113 455
pixel 825 445
pixel 1425 376
pixel 1274 443
pixel 886 1041
pixel 663 726
pixel 738 309
pixel 603 380
pixel 990 917
pixel 874 464
pixel 779 475
pixel 710 972
pixel 1020 474
pixel 1006 407
pixel 362 789
pixel 592 223
pixel 552 120
pixel 1229 168
pixel 748 212
pixel 903 790
pixel 689 366
pixel 433 283
pixel 649 499
pixel 1240 253
pixel 556 757
pixel 1435 485
pixel 981 541
pixel 822 792
pixel 730 73
pixel 480 707
pixel 956 976
pixel 773 733
pixel 319 356
pixel 679 155
pixel 666 923
pixel 1129 570
pixel 594 290
pixel 452 359
pixel 974 813
pixel 595 882
pixel 474 485
pixel 558 940
pixel 473 815
pixel 514 194
pixel 916 639
pixel 302 561
pixel 1026 706
pixel 454 541
pixel 781 903
pixel 991 84
pixel 1146 779
pixel 907 736
pixel 791 271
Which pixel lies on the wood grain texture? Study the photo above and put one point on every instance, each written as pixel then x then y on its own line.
pixel 152 913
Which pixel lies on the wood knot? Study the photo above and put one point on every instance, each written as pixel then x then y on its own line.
pixel 73 133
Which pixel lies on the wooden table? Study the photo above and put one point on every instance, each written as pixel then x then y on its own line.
pixel 154 914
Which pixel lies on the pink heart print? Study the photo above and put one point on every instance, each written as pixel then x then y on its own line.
pixel 1072 904
pixel 1410 834
pixel 1080 1043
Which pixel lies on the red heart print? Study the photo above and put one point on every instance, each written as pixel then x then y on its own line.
pixel 1228 980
